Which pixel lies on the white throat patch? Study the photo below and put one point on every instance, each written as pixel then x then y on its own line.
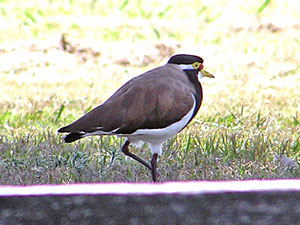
pixel 200 75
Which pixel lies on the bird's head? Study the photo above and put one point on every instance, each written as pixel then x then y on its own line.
pixel 190 63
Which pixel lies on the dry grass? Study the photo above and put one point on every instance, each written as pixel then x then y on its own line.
pixel 248 123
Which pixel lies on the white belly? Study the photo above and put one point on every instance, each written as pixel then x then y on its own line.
pixel 156 137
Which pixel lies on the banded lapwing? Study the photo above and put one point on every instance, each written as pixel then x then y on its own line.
pixel 151 108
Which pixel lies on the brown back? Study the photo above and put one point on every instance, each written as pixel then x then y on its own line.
pixel 155 99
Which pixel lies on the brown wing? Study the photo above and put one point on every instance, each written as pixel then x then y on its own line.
pixel 152 100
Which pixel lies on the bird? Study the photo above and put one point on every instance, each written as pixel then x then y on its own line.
pixel 150 108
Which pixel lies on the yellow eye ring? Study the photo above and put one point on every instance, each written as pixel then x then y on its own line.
pixel 196 65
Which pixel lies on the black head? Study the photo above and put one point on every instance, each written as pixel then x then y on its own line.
pixel 187 62
pixel 184 59
pixel 191 64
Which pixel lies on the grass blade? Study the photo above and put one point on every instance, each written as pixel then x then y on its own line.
pixel 263 6
pixel 125 3
pixel 59 113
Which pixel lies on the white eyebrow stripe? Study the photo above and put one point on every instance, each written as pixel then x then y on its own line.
pixel 186 66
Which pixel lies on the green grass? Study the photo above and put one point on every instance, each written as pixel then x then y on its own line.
pixel 249 123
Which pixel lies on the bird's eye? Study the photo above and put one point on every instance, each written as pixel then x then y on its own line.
pixel 196 65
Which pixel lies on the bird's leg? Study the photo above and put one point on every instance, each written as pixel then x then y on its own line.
pixel 125 150
pixel 154 166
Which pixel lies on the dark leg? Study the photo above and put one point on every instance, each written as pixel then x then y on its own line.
pixel 125 150
pixel 154 166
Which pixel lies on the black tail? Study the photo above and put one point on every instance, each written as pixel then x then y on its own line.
pixel 72 137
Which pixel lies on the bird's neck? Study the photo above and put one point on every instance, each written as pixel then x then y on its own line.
pixel 193 77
